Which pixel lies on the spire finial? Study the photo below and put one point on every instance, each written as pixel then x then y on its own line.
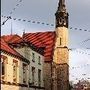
pixel 61 5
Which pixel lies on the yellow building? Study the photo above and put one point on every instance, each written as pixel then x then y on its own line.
pixel 34 55
pixel 14 69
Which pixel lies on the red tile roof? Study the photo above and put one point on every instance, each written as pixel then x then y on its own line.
pixel 46 39
pixel 12 38
pixel 38 39
pixel 5 47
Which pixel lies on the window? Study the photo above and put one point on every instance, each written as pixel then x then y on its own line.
pixel 33 75
pixel 3 66
pixel 39 60
pixel 60 41
pixel 39 77
pixel 15 65
pixel 33 57
pixel 24 73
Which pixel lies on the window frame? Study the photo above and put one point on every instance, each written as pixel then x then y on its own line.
pixel 24 72
pixel 15 65
pixel 33 56
pixel 33 75
pixel 39 77
pixel 5 60
pixel 39 60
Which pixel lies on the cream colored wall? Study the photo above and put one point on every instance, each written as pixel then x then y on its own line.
pixel 9 71
pixel 27 53
pixel 60 52
pixel 61 55
pixel 61 32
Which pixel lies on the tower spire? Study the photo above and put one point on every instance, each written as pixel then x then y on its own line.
pixel 61 5
pixel 11 28
pixel 61 15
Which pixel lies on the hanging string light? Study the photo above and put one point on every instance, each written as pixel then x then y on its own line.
pixel 43 23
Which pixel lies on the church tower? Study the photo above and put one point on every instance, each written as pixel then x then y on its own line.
pixel 60 67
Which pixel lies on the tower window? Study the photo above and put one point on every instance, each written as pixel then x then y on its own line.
pixel 60 41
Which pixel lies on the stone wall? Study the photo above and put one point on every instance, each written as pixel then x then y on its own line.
pixel 47 75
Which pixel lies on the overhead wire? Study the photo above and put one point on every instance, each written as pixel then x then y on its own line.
pixel 9 17
pixel 43 23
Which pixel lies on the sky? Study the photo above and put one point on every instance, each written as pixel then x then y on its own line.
pixel 44 11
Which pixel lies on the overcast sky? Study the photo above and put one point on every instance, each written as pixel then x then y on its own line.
pixel 43 11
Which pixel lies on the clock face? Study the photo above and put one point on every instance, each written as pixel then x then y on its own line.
pixel 62 21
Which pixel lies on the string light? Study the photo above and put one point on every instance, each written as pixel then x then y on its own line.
pixel 81 52
pixel 43 23
pixel 82 66
pixel 11 12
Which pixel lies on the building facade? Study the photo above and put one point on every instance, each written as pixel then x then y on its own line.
pixel 35 76
pixel 14 69
pixel 61 53
pixel 24 73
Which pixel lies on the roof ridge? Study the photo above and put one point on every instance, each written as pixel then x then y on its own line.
pixel 39 32
pixel 9 35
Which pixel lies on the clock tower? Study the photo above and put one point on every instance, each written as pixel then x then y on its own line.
pixel 60 66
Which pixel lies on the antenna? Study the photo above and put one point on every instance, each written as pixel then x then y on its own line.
pixel 23 31
pixel 11 27
pixel 23 34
